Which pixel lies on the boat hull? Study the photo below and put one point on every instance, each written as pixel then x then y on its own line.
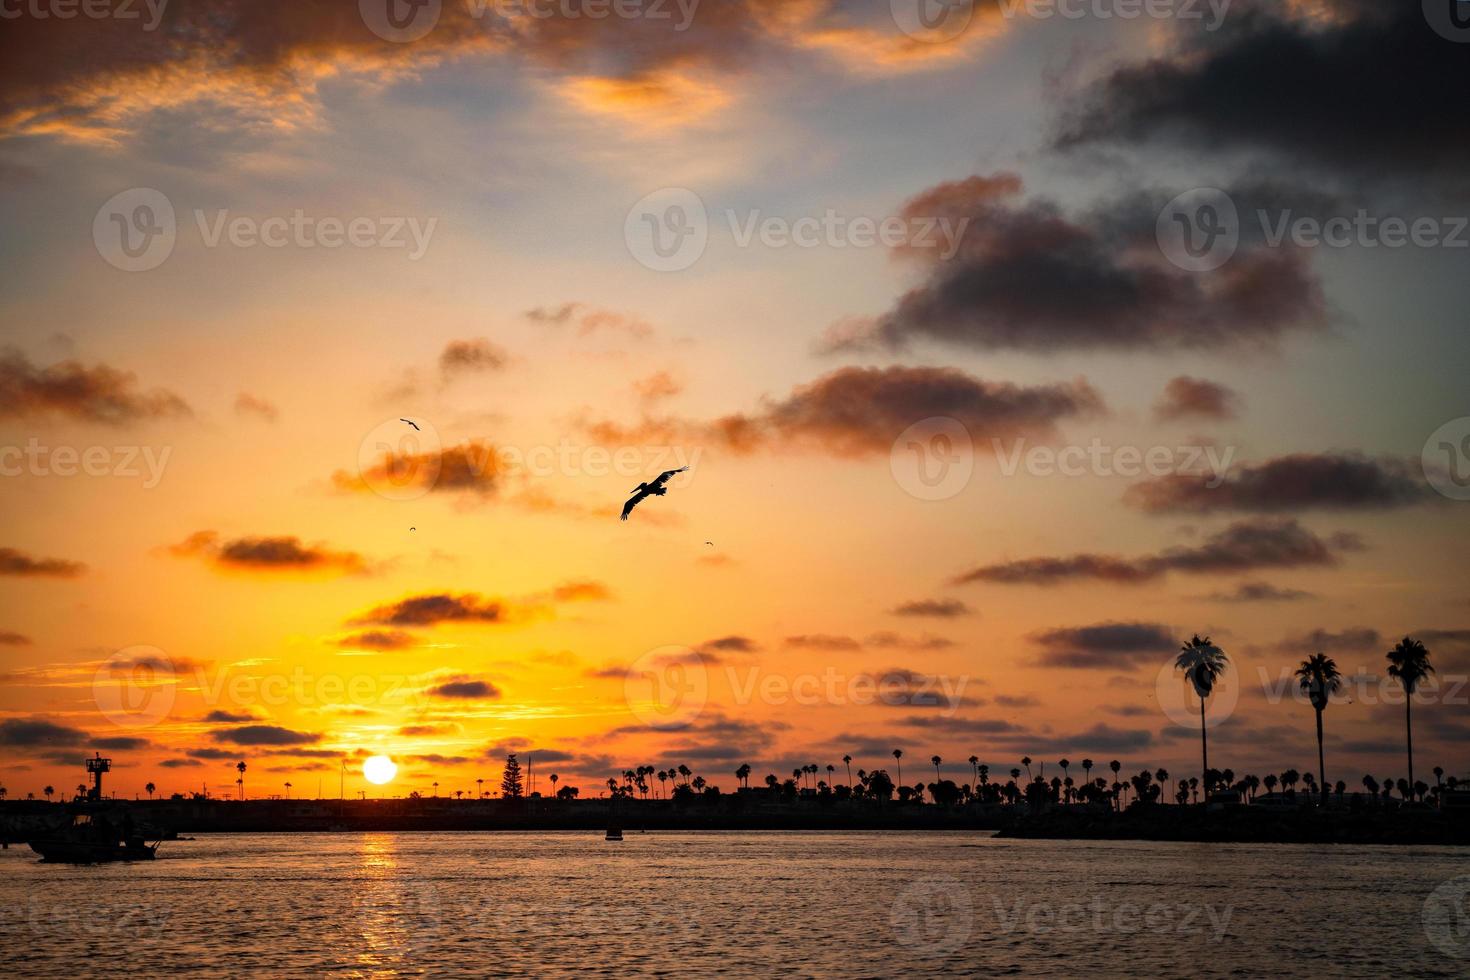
pixel 78 852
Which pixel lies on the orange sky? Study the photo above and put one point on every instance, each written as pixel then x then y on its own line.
pixel 204 560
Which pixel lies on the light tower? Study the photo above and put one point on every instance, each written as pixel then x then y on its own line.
pixel 97 767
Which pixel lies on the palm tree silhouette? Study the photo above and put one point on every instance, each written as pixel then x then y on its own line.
pixel 554 778
pixel 936 760
pixel 1202 663
pixel 1026 761
pixel 288 791
pixel 436 788
pixel 149 788
pixel 974 761
pixel 1087 770
pixel 1320 680
pixel 48 791
pixel 847 761
pixel 480 788
pixel 240 766
pixel 898 758
pixel 1409 662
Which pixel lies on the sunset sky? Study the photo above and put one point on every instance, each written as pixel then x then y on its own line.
pixel 237 574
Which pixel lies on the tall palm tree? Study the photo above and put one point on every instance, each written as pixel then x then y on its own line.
pixel 847 761
pixel 149 788
pixel 240 766
pixel 480 788
pixel 830 770
pixel 288 791
pixel 1087 770
pixel 1320 680
pixel 1026 761
pixel 898 758
pixel 974 761
pixel 1202 663
pixel 1409 662
pixel 436 788
pixel 936 760
pixel 554 778
pixel 48 791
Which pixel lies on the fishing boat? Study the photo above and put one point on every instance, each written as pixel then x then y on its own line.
pixel 93 838
pixel 98 833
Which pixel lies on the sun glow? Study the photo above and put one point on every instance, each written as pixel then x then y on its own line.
pixel 379 769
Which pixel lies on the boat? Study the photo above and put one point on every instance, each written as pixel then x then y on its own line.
pixel 98 833
pixel 614 833
pixel 92 838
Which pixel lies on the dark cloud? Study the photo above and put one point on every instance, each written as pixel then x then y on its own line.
pixel 1195 398
pixel 732 644
pixel 213 755
pixel 379 640
pixel 443 728
pixel 429 610
pixel 72 390
pixel 263 735
pixel 888 640
pixel 1109 645
pixel 180 763
pixel 119 743
pixel 1342 87
pixel 1260 592
pixel 13 562
pixel 1016 701
pixel 283 553
pixel 856 411
pixel 229 717
pixel 938 608
pixel 475 356
pixel 10 639
pixel 1028 277
pixel 473 467
pixel 831 642
pixel 1305 481
pixel 28 733
pixel 1354 639
pixel 1241 547
pixel 465 688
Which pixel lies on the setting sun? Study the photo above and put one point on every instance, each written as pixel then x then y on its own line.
pixel 379 769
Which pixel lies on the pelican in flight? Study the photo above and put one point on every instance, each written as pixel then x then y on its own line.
pixel 654 488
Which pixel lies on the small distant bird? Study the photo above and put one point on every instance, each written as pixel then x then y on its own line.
pixel 410 422
pixel 654 488
pixel 413 529
pixel 710 543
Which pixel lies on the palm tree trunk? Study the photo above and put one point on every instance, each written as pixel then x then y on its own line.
pixel 1321 764
pixel 1409 736
pixel 1204 745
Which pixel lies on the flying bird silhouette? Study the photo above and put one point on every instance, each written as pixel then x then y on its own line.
pixel 415 426
pixel 653 488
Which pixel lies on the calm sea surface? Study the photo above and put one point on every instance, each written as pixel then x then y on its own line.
pixel 739 904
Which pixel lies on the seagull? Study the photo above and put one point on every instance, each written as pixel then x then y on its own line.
pixel 655 488
pixel 415 425
pixel 710 543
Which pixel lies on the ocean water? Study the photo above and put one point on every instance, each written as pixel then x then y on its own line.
pixel 737 904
